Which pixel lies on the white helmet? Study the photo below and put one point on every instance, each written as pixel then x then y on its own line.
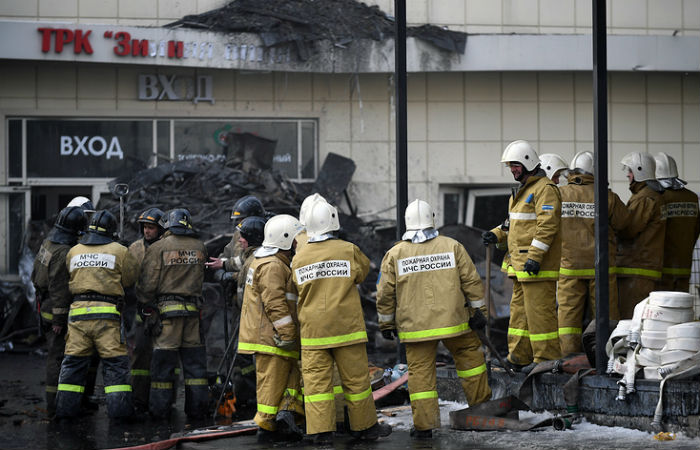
pixel 522 152
pixel 321 218
pixel 306 206
pixel 83 202
pixel 583 161
pixel 641 164
pixel 280 231
pixel 665 166
pixel 419 216
pixel 552 163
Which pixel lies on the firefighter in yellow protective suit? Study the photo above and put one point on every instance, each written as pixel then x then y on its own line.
pixel 682 226
pixel 577 271
pixel 640 248
pixel 50 278
pixel 428 289
pixel 99 270
pixel 269 330
pixel 332 327
pixel 172 273
pixel 139 341
pixel 534 249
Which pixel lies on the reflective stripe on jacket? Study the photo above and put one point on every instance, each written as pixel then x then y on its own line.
pixel 534 232
pixel 682 230
pixel 640 249
pixel 269 307
pixel 330 311
pixel 578 226
pixel 423 288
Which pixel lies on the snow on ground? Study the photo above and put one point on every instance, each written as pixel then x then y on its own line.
pixel 584 435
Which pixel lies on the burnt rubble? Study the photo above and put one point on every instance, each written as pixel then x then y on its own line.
pixel 304 22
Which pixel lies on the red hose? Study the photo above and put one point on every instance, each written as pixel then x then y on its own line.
pixel 168 443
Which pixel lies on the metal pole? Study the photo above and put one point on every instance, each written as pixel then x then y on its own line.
pixel 600 133
pixel 401 132
pixel 401 118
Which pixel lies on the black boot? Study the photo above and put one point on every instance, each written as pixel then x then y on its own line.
pixel 421 434
pixel 372 433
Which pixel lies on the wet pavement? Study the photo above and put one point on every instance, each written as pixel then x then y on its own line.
pixel 24 425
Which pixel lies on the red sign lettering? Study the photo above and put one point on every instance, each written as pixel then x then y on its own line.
pixel 63 36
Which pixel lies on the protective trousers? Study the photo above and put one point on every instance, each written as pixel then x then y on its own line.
pixel 632 290
pixel 574 295
pixel 673 283
pixel 140 364
pixel 55 346
pixel 319 401
pixel 422 378
pixel 339 397
pixel 180 337
pixel 83 338
pixel 532 330
pixel 278 388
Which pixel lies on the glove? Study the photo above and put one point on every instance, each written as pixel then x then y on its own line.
pixel 152 326
pixel 532 267
pixel 284 344
pixel 477 321
pixel 389 334
pixel 489 238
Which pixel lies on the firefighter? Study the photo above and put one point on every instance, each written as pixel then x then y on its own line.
pixel 99 270
pixel 301 240
pixel 332 328
pixel 534 246
pixel 554 166
pixel 640 248
pixel 270 330
pixel 577 269
pixel 171 280
pixel 682 226
pixel 427 292
pixel 229 263
pixel 139 341
pixel 252 232
pixel 50 278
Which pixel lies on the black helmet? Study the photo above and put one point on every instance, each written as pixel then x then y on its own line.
pixel 101 229
pixel 247 206
pixel 69 224
pixel 178 221
pixel 252 229
pixel 152 216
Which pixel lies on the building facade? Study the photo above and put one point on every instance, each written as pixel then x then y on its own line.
pixel 90 90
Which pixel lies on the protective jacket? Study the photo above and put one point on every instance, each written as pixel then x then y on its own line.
pixel 578 226
pixel 534 215
pixel 682 230
pixel 233 252
pixel 108 269
pixel 302 239
pixel 269 307
pixel 50 277
pixel 248 258
pixel 172 273
pixel 432 281
pixel 640 251
pixel 330 311
pixel 138 250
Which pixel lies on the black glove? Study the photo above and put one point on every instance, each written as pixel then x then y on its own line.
pixel 145 311
pixel 489 238
pixel 532 267
pixel 389 334
pixel 477 321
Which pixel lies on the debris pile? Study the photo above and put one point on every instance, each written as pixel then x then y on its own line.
pixel 304 22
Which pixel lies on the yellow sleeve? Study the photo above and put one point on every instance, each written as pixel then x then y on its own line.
pixel 386 294
pixel 548 210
